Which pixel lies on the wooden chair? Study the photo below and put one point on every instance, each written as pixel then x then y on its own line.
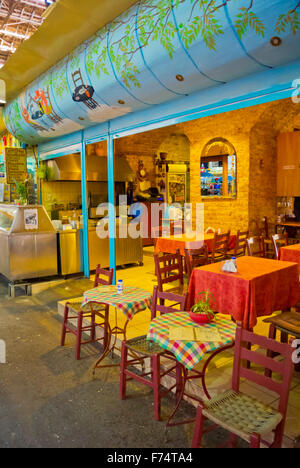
pixel 220 247
pixel 288 323
pixel 254 228
pixel 241 244
pixel 168 271
pixel 243 415
pixel 195 258
pixel 256 247
pixel 142 349
pixel 102 277
pixel 279 240
pixel 263 229
pixel 267 230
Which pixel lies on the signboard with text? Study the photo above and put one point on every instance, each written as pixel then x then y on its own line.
pixel 16 164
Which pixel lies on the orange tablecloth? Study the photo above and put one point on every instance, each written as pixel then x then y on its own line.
pixel 290 253
pixel 260 288
pixel 172 243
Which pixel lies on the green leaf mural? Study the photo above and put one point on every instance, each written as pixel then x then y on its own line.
pixel 154 23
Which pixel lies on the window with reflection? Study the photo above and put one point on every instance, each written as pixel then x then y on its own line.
pixel 218 169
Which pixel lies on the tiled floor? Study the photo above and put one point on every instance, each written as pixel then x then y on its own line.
pixel 220 371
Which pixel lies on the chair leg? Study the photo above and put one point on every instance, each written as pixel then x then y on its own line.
pixel 255 441
pixel 78 335
pixel 64 330
pixel 198 430
pixel 155 364
pixel 123 365
pixel 284 337
pixel 105 331
pixel 93 327
pixel 233 441
pixel 178 381
pixel 279 431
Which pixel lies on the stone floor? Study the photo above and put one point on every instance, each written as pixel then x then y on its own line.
pixel 47 399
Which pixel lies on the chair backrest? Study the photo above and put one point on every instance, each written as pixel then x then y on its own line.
pixel 103 277
pixel 195 258
pixel 267 228
pixel 256 247
pixel 254 228
pixel 241 243
pixel 220 246
pixel 168 268
pixel 284 367
pixel 158 302
pixel 279 240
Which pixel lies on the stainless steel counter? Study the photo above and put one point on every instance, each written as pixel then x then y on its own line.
pixel 27 251
pixel 127 250
pixel 69 258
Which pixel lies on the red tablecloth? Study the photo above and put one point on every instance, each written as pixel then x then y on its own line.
pixel 260 288
pixel 172 243
pixel 291 253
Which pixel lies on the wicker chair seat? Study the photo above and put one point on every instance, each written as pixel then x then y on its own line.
pixel 76 306
pixel 242 414
pixel 143 346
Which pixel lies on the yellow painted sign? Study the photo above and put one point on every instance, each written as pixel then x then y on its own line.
pixel 16 164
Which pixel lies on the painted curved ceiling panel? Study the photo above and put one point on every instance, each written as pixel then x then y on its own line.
pixel 156 51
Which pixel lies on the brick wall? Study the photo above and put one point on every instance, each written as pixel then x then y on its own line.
pixel 252 131
pixel 276 118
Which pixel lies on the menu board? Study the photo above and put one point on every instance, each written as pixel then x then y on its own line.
pixel 16 164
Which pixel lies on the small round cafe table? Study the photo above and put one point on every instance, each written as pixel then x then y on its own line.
pixel 190 353
pixel 131 301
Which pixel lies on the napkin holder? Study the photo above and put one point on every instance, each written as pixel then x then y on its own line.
pixel 229 267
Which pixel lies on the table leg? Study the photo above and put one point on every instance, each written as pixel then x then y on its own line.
pixel 112 332
pixel 106 349
pixel 185 376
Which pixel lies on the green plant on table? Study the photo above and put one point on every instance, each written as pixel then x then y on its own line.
pixel 204 304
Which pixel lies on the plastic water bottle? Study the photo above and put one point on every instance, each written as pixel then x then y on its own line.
pixel 120 287
pixel 233 259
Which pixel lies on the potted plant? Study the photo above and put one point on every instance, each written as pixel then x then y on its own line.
pixel 202 311
pixel 21 192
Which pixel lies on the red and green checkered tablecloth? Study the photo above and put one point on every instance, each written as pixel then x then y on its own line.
pixel 130 302
pixel 189 353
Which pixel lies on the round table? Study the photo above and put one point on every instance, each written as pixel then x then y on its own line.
pixel 131 301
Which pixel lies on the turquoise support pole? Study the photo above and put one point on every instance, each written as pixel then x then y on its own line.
pixel 111 201
pixel 85 238
pixel 38 182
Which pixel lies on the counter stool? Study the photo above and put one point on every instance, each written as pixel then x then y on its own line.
pixel 88 311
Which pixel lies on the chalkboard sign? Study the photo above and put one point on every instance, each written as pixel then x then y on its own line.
pixel 16 164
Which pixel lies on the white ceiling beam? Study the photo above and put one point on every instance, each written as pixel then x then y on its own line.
pixel 25 17
pixel 43 6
